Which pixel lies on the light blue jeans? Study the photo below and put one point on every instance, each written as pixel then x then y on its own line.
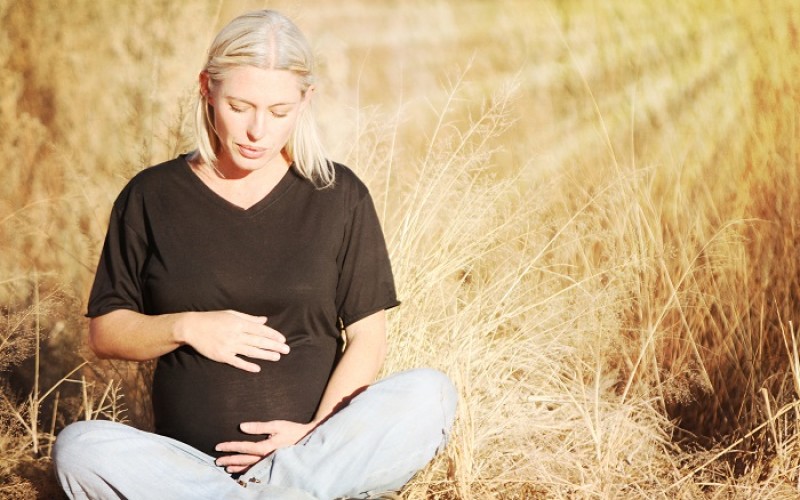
pixel 374 444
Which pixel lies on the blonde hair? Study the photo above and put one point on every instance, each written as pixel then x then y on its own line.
pixel 265 39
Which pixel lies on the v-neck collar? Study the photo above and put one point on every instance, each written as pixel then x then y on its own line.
pixel 281 188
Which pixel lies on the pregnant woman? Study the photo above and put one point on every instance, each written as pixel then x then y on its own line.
pixel 255 271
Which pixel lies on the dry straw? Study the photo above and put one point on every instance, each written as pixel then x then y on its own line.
pixel 593 226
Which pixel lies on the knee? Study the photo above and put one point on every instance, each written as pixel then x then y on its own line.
pixel 69 440
pixel 434 384
pixel 78 443
pixel 430 389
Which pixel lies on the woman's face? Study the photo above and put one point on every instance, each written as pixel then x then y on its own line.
pixel 255 112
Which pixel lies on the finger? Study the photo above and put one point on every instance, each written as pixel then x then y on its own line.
pixel 267 344
pixel 241 364
pixel 242 448
pixel 235 469
pixel 257 353
pixel 264 332
pixel 240 460
pixel 237 461
pixel 249 317
pixel 268 428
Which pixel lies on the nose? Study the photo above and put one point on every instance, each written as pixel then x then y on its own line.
pixel 257 127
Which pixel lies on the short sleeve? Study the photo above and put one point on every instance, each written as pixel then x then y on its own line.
pixel 117 284
pixel 366 283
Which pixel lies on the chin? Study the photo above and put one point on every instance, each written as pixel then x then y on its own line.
pixel 250 164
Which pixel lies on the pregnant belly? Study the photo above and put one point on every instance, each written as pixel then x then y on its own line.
pixel 202 402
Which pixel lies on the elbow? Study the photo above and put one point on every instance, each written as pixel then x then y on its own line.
pixel 382 350
pixel 95 339
pixel 372 348
pixel 378 350
pixel 368 336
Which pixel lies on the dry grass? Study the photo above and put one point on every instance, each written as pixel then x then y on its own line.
pixel 590 207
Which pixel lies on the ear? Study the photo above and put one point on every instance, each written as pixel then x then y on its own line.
pixel 205 90
pixel 309 94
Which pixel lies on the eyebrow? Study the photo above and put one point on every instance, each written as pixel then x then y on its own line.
pixel 245 101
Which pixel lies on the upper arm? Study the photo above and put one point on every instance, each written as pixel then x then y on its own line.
pixel 366 283
pixel 372 326
pixel 106 325
pixel 117 282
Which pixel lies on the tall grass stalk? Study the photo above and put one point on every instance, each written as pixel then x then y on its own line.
pixel 593 224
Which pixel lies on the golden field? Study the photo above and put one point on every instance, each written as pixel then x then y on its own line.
pixel 591 208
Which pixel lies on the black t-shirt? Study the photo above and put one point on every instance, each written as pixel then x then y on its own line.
pixel 310 260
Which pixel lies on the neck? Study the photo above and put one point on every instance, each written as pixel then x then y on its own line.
pixel 241 187
pixel 227 170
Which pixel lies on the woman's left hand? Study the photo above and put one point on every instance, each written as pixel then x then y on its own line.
pixel 281 433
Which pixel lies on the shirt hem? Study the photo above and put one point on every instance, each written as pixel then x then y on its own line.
pixel 389 304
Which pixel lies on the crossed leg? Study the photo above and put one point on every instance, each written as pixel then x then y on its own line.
pixel 375 443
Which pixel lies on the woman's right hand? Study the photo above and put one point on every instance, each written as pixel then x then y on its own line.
pixel 226 336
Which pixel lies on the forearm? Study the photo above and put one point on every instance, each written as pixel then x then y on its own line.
pixel 359 365
pixel 129 335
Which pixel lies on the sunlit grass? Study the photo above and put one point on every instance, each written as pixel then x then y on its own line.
pixel 591 210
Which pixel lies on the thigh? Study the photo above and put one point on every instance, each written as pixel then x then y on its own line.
pixel 376 443
pixel 87 439
pixel 102 459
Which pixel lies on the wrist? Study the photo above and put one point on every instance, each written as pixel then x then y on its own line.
pixel 181 329
pixel 311 426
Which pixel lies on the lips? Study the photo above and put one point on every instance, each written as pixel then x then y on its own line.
pixel 251 152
